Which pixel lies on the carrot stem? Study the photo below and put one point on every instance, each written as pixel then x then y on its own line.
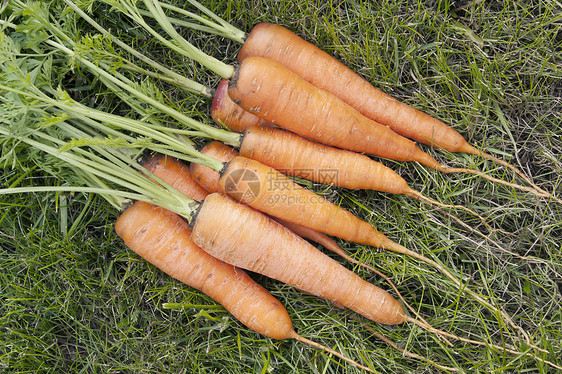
pixel 97 190
pixel 221 28
pixel 217 27
pixel 170 75
pixel 114 167
pixel 225 136
pixel 74 109
pixel 178 43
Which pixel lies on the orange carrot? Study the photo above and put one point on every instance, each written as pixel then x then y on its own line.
pixel 224 153
pixel 176 174
pixel 294 155
pixel 164 239
pixel 248 239
pixel 272 92
pixel 330 244
pixel 277 43
pixel 271 192
pixel 313 235
pixel 225 112
pixel 238 238
pixel 207 177
pixel 314 65
pixel 302 157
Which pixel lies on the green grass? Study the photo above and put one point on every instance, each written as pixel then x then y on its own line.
pixel 75 299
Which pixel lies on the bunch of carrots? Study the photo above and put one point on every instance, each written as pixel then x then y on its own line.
pixel 202 216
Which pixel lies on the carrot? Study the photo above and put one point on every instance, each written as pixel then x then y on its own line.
pixel 297 156
pixel 300 157
pixel 143 227
pixel 277 43
pixel 272 92
pixel 108 164
pixel 225 112
pixel 270 191
pixel 330 244
pixel 176 174
pixel 238 238
pixel 210 179
pixel 182 46
pixel 255 260
pixel 314 65
pixel 294 155
pixel 205 176
pixel 164 239
pixel 257 247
